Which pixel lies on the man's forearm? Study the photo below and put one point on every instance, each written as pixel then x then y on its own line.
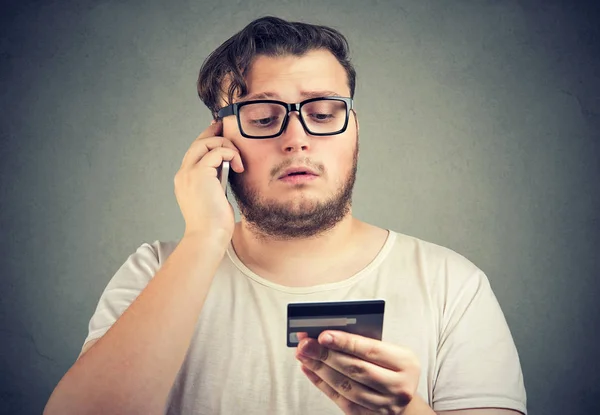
pixel 133 366
pixel 418 406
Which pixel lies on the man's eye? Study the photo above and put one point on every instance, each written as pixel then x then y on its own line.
pixel 322 117
pixel 262 122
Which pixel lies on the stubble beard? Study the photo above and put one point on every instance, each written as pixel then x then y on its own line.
pixel 298 218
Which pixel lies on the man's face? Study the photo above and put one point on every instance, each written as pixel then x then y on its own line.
pixel 292 208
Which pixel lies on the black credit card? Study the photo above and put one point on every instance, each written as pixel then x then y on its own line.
pixel 362 317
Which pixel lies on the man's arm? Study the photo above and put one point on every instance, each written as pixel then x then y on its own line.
pixel 481 411
pixel 419 407
pixel 131 369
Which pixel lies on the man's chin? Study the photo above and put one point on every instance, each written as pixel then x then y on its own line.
pixel 295 206
pixel 287 211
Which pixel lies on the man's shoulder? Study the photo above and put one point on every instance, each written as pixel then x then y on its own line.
pixel 429 255
pixel 157 251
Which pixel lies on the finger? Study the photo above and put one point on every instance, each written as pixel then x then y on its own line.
pixel 345 404
pixel 214 129
pixel 201 147
pixel 198 149
pixel 377 378
pixel 215 157
pixel 236 162
pixel 386 355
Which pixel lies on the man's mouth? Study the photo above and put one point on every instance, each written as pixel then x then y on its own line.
pixel 297 171
pixel 298 176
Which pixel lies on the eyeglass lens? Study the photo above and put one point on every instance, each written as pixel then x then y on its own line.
pixel 320 117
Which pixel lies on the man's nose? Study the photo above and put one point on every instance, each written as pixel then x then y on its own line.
pixel 294 137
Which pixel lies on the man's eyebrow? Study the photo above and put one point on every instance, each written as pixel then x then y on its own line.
pixel 261 95
pixel 316 94
pixel 304 94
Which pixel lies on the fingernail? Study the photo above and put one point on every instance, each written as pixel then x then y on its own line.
pixel 326 339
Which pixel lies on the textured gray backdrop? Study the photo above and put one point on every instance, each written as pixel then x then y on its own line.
pixel 480 129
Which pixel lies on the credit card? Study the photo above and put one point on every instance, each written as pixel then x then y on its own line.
pixel 362 317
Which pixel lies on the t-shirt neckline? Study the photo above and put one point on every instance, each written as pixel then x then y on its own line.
pixel 381 255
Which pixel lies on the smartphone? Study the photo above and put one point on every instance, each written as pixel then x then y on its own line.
pixel 362 317
pixel 223 173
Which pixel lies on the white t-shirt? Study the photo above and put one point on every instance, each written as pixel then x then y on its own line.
pixel 437 303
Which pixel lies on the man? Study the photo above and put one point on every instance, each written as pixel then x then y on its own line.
pixel 198 326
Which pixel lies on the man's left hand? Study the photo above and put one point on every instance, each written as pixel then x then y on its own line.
pixel 361 375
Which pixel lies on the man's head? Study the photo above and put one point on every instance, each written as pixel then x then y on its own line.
pixel 222 76
pixel 289 62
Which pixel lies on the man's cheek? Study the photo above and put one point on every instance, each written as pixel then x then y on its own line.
pixel 231 131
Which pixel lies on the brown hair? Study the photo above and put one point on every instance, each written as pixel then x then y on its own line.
pixel 269 36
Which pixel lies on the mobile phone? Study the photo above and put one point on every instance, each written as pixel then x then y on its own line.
pixel 362 317
pixel 223 174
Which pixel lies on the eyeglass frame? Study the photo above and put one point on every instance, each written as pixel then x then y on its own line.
pixel 234 109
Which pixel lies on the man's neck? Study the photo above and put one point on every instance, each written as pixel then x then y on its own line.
pixel 298 261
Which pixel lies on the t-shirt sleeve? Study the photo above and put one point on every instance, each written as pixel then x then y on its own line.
pixel 123 288
pixel 477 361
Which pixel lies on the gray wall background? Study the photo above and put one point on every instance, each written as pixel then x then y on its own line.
pixel 479 131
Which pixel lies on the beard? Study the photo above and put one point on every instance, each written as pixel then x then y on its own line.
pixel 297 218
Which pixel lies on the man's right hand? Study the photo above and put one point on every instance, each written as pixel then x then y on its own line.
pixel 201 199
pixel 100 382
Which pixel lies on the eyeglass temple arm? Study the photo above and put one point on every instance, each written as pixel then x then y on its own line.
pixel 226 111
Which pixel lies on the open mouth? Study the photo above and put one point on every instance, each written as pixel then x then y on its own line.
pixel 298 173
pixel 298 177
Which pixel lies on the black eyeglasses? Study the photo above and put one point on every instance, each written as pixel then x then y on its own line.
pixel 267 118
